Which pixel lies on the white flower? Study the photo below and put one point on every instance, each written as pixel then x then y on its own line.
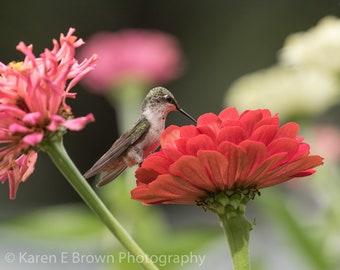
pixel 289 91
pixel 318 47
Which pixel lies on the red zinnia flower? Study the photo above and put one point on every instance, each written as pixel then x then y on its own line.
pixel 223 153
pixel 33 105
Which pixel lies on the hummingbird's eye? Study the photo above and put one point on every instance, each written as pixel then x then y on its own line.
pixel 169 99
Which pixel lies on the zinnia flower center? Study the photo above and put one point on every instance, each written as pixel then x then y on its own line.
pixel 17 65
pixel 21 104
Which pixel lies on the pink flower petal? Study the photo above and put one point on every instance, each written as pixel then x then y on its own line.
pixel 56 122
pixel 34 138
pixel 141 55
pixel 32 118
pixel 78 123
pixel 23 168
pixel 33 97
pixel 17 128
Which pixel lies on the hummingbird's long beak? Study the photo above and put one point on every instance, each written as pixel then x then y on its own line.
pixel 186 114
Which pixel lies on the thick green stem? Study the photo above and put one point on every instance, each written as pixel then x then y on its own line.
pixel 237 228
pixel 61 159
pixel 230 207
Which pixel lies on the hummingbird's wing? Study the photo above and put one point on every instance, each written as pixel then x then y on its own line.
pixel 119 147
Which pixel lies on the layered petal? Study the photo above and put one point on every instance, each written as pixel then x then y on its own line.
pixel 224 152
pixel 33 105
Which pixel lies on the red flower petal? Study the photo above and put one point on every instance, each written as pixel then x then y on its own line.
pixel 148 172
pixel 251 118
pixel 224 152
pixel 256 154
pixel 195 174
pixel 237 161
pixel 290 130
pixel 170 186
pixel 267 121
pixel 289 170
pixel 158 159
pixel 172 153
pixel 208 119
pixel 200 142
pixel 207 131
pixel 216 166
pixel 259 173
pixel 167 189
pixel 286 145
pixel 264 134
pixel 229 114
pixel 305 173
pixel 232 134
pixel 188 131
pixel 169 136
pixel 211 120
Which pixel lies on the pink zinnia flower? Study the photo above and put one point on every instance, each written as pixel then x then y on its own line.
pixel 33 105
pixel 224 153
pixel 148 56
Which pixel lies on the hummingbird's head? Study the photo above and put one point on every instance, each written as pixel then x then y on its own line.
pixel 160 100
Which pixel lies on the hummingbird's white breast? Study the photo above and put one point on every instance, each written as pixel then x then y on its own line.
pixel 155 113
pixel 157 122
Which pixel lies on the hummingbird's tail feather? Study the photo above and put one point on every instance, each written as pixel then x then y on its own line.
pixel 110 175
pixel 105 162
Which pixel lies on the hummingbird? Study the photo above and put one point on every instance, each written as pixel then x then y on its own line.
pixel 132 147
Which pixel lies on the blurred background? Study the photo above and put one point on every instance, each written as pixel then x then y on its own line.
pixel 223 45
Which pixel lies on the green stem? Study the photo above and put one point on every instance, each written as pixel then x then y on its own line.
pixel 230 207
pixel 237 228
pixel 61 159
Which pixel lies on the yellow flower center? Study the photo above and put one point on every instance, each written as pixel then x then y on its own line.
pixel 17 65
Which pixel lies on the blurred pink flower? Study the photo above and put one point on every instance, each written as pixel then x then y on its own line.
pixel 33 104
pixel 326 139
pixel 144 55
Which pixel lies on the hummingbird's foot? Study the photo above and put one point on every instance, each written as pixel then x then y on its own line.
pixel 156 150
